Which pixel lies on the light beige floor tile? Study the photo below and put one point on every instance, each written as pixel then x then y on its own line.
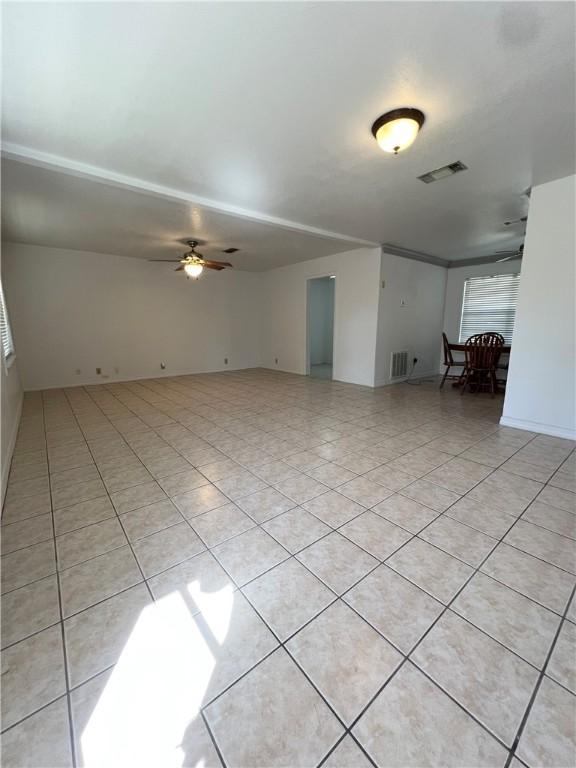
pixel 219 470
pixel 287 597
pixel 374 534
pixel 199 500
pixel 32 674
pixel 356 462
pixel 26 533
pixel 21 509
pixel 301 488
pixel 552 518
pixel 221 524
pixel 440 574
pixel 88 542
pixel 490 682
pixel 283 720
pixel 151 519
pixel 237 486
pixel 556 497
pixel 237 645
pixel 534 578
pixel 74 494
pixel 517 622
pixel 200 578
pixel 405 512
pixel 564 480
pixel 483 517
pixel 398 609
pixel 337 562
pixel 364 491
pixel 433 496
pixel 562 664
pixel 549 737
pixel 459 540
pixel 333 508
pixel 41 740
pixel 331 474
pixel 91 650
pixel 507 492
pixel 347 755
pixel 548 546
pixel 29 609
pixel 27 565
pixel 159 551
pixel 97 579
pixel 347 660
pixel 120 478
pixel 137 496
pixel 28 471
pixel 181 482
pixel 73 476
pixel 187 743
pixel 22 489
pixel 275 471
pixel 393 479
pixel 413 724
pixel 84 513
pixel 266 504
pixel 304 461
pixel 247 556
pixel 296 529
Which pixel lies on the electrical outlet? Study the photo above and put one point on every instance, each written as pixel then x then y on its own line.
pixel 403 302
pixel 98 371
pixel 163 366
pixel 276 360
pixel 116 369
pixel 225 361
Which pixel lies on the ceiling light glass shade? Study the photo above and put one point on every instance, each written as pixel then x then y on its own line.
pixel 193 270
pixel 397 130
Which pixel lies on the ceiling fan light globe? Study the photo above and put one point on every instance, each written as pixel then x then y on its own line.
pixel 397 135
pixel 193 270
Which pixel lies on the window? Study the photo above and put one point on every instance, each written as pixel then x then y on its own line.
pixel 7 342
pixel 489 305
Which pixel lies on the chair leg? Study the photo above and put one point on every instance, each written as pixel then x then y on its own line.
pixel 465 384
pixel 444 377
pixel 493 383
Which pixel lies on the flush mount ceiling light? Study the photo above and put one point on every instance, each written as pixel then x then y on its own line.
pixel 396 130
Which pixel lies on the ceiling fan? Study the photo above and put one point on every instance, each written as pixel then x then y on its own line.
pixel 517 254
pixel 193 262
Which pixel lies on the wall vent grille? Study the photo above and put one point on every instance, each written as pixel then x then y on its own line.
pixel 398 364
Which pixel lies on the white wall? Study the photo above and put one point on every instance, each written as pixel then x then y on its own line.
pixel 77 310
pixel 321 320
pixel 355 321
pixel 11 407
pixel 416 324
pixel 541 389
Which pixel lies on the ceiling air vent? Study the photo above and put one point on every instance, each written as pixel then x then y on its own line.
pixel 230 250
pixel 443 173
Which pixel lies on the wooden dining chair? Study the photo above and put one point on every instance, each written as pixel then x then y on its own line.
pixel 482 352
pixel 449 362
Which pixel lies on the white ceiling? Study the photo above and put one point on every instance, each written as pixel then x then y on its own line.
pixel 266 108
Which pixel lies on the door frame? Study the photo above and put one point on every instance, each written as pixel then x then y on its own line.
pixel 334 277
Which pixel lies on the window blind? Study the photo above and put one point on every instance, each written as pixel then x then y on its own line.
pixel 7 342
pixel 489 305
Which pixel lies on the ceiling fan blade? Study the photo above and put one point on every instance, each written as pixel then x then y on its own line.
pixel 165 261
pixel 217 263
pixel 207 265
pixel 516 251
pixel 179 269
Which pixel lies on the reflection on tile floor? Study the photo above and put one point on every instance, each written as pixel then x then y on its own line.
pixel 259 569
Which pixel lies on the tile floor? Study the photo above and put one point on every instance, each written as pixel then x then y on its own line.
pixel 258 569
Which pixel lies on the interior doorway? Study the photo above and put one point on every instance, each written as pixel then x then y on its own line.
pixel 321 326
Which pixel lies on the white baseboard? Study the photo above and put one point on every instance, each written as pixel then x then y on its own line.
pixel 535 426
pixel 388 382
pixel 10 449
